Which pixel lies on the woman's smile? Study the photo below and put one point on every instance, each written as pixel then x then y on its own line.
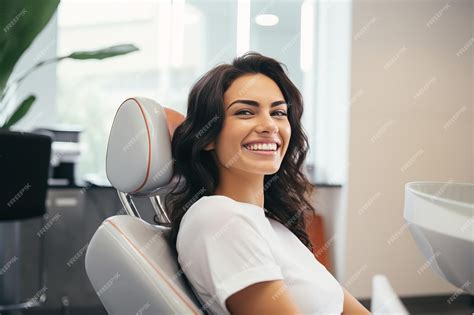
pixel 262 153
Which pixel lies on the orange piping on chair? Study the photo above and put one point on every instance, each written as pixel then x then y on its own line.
pixel 191 307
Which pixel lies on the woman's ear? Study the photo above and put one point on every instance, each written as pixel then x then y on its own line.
pixel 210 146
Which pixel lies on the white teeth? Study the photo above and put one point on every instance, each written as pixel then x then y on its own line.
pixel 262 147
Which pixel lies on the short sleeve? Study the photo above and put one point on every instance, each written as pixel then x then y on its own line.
pixel 223 251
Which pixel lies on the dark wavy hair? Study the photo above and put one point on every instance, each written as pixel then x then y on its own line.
pixel 195 171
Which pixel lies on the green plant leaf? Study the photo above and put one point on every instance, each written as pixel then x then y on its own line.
pixel 104 53
pixel 20 111
pixel 80 55
pixel 20 22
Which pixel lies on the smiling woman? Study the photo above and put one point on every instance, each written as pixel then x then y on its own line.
pixel 254 128
pixel 212 158
pixel 239 207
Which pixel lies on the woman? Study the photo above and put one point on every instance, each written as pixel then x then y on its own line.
pixel 238 209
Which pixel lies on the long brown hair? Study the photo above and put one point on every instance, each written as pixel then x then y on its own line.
pixel 195 171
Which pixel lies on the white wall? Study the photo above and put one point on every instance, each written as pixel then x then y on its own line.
pixel 328 202
pixel 411 120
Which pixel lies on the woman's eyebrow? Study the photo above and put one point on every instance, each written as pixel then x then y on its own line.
pixel 255 103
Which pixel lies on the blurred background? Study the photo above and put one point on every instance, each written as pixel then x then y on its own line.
pixel 388 90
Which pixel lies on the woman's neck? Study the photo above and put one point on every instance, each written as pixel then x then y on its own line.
pixel 242 188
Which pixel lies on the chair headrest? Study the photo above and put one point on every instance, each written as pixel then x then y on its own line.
pixel 139 160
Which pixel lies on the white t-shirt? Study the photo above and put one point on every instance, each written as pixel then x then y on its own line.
pixel 224 246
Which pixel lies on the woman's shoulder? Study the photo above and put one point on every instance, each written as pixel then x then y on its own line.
pixel 211 205
pixel 210 213
pixel 208 210
pixel 223 207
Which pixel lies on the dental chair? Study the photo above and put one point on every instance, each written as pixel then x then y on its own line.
pixel 129 262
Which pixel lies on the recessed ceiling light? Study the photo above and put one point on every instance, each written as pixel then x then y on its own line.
pixel 266 19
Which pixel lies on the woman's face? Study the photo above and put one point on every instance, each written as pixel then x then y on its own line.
pixel 255 112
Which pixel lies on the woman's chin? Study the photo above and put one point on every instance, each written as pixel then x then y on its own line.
pixel 263 169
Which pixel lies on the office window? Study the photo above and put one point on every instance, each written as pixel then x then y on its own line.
pixel 178 42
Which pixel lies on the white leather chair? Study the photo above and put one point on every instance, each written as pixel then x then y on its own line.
pixel 128 261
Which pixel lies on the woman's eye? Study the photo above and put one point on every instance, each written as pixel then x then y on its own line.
pixel 243 111
pixel 281 112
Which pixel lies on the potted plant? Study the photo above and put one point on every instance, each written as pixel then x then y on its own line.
pixel 23 21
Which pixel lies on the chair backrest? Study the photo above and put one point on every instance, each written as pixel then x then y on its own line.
pixel 133 270
pixel 129 262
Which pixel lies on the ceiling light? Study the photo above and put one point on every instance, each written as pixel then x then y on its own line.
pixel 266 19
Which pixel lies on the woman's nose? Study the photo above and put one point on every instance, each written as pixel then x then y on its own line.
pixel 267 124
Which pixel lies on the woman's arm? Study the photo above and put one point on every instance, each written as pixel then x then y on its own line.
pixel 268 297
pixel 352 306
